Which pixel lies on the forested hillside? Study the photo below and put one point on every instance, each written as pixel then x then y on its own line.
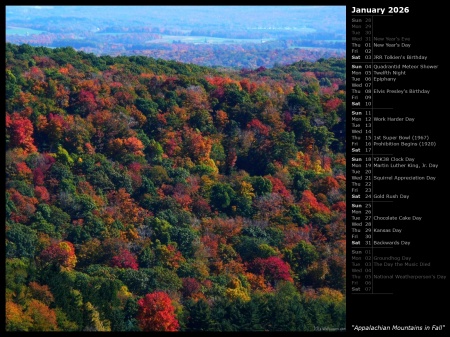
pixel 145 195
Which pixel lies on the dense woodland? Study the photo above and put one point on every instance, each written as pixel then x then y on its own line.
pixel 207 52
pixel 151 195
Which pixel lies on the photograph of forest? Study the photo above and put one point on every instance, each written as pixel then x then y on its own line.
pixel 180 170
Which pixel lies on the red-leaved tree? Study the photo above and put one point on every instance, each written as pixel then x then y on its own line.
pixel 21 132
pixel 125 259
pixel 273 268
pixel 156 313
pixel 61 254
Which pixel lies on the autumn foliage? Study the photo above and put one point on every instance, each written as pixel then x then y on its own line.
pixel 153 195
pixel 273 268
pixel 21 132
pixel 60 254
pixel 156 313
pixel 125 259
